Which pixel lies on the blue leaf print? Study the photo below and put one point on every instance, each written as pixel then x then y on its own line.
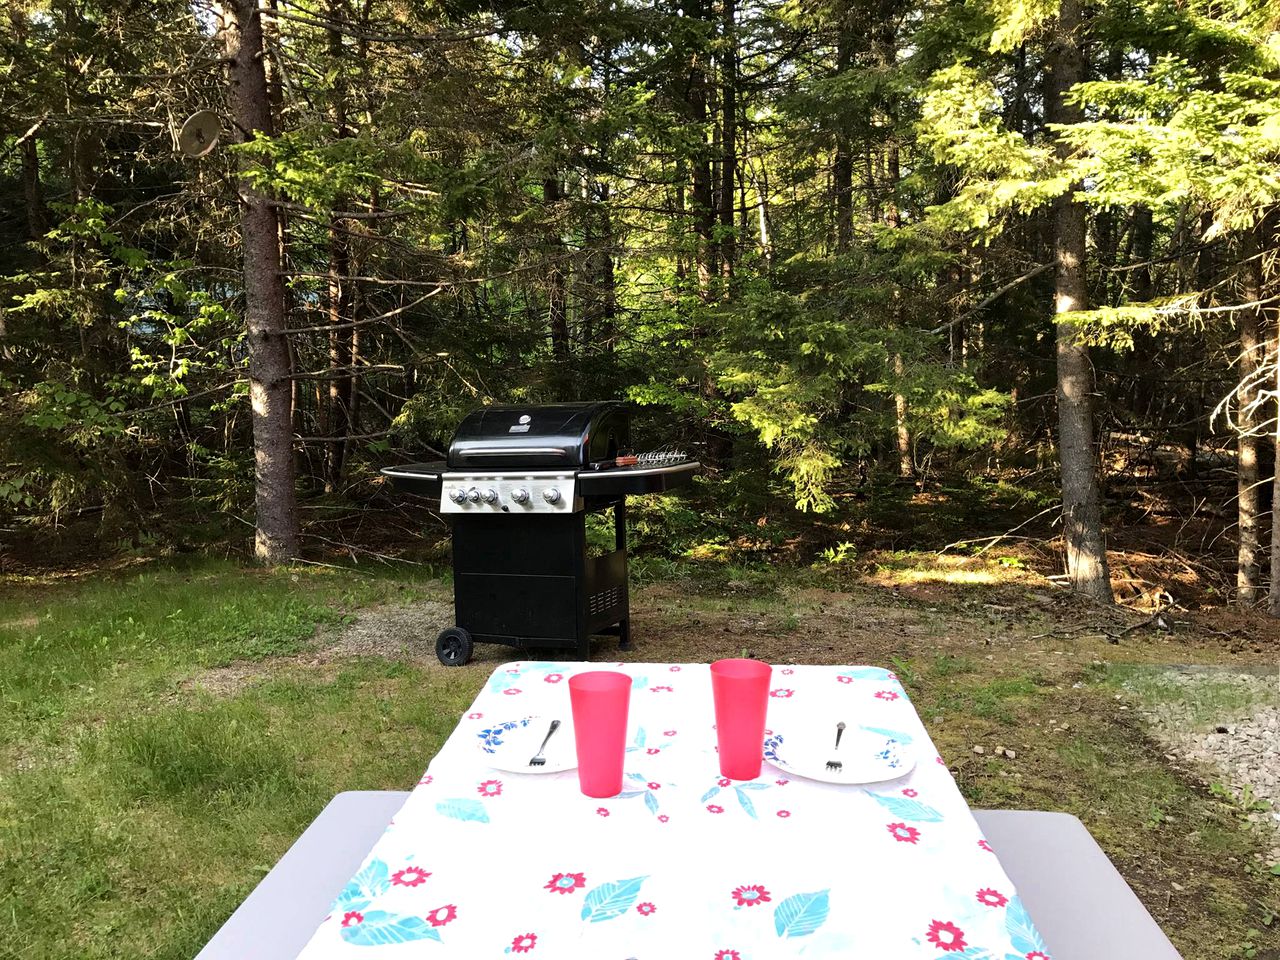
pixel 747 805
pixel 611 899
pixel 975 953
pixel 1022 932
pixel 771 747
pixel 628 794
pixel 636 776
pixel 802 914
pixel 866 673
pixel 639 683
pixel 907 809
pixel 372 881
pixel 463 810
pixel 379 928
pixel 651 801
pixel 902 738
pixel 640 737
pixel 753 785
pixel 709 794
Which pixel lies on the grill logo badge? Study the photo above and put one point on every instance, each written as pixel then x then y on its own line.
pixel 522 426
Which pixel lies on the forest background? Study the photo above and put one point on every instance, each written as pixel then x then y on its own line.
pixel 849 253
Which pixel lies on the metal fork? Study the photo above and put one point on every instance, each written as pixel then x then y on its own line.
pixel 835 765
pixel 537 759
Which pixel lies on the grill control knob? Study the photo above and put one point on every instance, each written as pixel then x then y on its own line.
pixel 457 495
pixel 490 495
pixel 551 495
pixel 520 495
pixel 473 495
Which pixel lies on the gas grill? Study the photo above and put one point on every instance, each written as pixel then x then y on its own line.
pixel 516 489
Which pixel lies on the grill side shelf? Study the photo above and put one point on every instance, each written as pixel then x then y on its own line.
pixel 424 479
pixel 623 481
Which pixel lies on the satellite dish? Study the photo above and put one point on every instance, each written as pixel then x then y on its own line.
pixel 199 134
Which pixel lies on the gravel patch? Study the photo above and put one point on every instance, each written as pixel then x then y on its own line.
pixel 1226 722
pixel 394 631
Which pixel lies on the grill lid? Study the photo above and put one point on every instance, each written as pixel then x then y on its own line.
pixel 551 436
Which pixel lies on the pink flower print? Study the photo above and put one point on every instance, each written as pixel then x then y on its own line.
pixel 724 781
pixel 886 695
pixel 892 676
pixel 843 679
pixel 660 689
pixel 566 883
pixel 663 818
pixel 992 898
pixel 475 716
pixel 524 943
pixel 1037 955
pixel 352 918
pixel 511 691
pixel 751 896
pixel 652 750
pixel 442 915
pixel 784 814
pixel 668 733
pixel 675 669
pixel 653 786
pixel 985 846
pixel 902 833
pixel 490 788
pixel 941 761
pixel 909 793
pixel 727 955
pixel 409 877
pixel 787 671
pixel 603 811
pixel 645 909
pixel 782 693
pixel 427 778
pixel 946 936
pixel 715 808
pixel 553 678
pixel 782 783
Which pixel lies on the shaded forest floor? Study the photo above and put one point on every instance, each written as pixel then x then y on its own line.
pixel 170 729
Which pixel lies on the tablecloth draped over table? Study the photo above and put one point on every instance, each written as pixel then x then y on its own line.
pixel 683 864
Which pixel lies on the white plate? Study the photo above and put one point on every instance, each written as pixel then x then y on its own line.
pixel 866 756
pixel 508 745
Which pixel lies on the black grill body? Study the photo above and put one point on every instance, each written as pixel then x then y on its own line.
pixel 517 488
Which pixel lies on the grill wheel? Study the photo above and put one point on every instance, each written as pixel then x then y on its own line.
pixel 454 647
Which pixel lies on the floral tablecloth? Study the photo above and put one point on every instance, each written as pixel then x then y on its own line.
pixel 683 864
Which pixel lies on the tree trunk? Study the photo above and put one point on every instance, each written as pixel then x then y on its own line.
pixel 1078 458
pixel 32 190
pixel 338 420
pixel 276 524
pixel 704 213
pixel 557 319
pixel 842 166
pixel 1248 490
pixel 1140 276
pixel 728 139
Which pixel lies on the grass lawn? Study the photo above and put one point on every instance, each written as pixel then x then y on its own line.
pixel 168 731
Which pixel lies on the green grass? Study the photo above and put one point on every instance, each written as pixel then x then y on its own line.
pixel 135 811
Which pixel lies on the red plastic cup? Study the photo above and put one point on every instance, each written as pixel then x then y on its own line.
pixel 600 700
pixel 741 692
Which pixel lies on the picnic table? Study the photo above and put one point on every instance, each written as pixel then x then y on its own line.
pixel 485 863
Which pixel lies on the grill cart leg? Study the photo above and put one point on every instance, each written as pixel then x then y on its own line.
pixel 620 543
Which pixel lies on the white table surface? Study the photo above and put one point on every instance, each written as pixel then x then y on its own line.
pixel 479 863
